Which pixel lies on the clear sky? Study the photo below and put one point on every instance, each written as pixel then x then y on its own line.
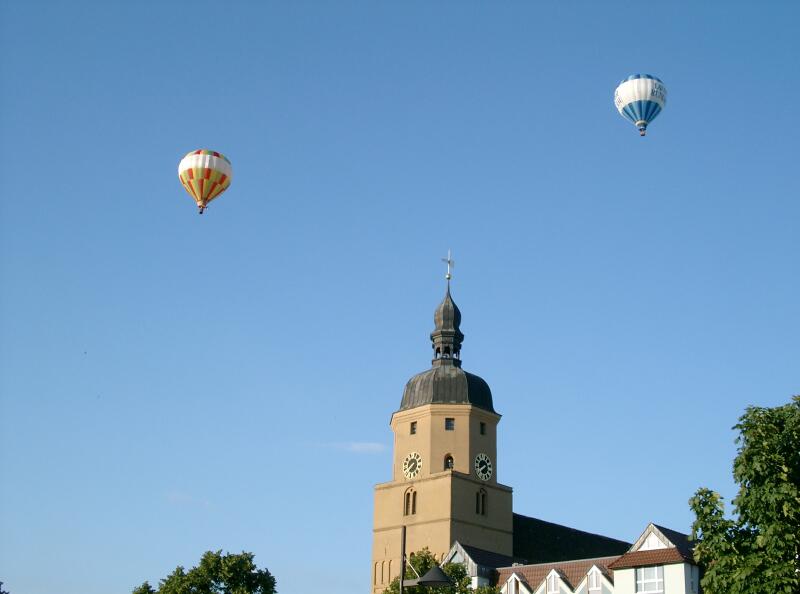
pixel 174 383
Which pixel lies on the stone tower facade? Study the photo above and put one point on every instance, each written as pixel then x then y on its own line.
pixel 444 471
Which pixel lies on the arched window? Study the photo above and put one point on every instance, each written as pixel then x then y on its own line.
pixel 438 353
pixel 410 503
pixel 447 352
pixel 480 502
pixel 448 462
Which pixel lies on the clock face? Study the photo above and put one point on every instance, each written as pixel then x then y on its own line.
pixel 412 465
pixel 483 467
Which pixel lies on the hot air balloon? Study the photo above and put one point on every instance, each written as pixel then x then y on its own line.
pixel 205 175
pixel 640 98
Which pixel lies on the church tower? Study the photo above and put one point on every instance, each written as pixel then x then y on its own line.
pixel 444 472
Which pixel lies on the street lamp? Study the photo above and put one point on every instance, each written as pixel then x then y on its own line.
pixel 432 578
pixel 435 577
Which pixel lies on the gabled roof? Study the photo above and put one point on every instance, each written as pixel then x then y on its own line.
pixel 479 562
pixel 679 539
pixel 572 572
pixel 538 541
pixel 678 549
pixel 522 580
pixel 487 558
pixel 604 571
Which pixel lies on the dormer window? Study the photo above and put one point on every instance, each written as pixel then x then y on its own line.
pixel 552 584
pixel 594 581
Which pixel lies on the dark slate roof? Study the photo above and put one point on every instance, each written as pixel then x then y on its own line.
pixel 538 541
pixel 487 558
pixel 680 540
pixel 447 317
pixel 446 383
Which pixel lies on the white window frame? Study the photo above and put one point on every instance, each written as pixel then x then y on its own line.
pixel 552 583
pixel 650 585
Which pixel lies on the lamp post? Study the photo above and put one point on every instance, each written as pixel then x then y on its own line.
pixel 432 578
pixel 402 557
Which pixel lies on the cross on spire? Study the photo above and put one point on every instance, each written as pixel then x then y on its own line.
pixel 450 263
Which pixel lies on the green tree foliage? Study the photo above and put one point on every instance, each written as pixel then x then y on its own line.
pixel 758 550
pixel 216 574
pixel 424 560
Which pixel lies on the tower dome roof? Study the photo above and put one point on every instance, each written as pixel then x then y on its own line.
pixel 445 382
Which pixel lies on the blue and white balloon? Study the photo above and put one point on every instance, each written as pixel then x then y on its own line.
pixel 640 98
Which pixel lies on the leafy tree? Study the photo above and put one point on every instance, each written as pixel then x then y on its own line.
pixel 216 574
pixel 424 560
pixel 759 549
pixel 1 589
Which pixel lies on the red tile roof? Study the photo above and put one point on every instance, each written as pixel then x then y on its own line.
pixel 571 571
pixel 652 557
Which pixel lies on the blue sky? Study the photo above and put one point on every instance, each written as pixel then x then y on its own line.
pixel 174 383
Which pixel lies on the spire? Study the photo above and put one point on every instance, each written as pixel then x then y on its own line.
pixel 445 382
pixel 447 336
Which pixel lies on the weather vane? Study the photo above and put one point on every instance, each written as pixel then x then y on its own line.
pixel 450 263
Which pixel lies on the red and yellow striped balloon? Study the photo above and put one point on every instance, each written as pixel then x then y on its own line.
pixel 205 175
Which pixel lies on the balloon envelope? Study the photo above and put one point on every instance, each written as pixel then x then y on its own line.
pixel 205 175
pixel 640 98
